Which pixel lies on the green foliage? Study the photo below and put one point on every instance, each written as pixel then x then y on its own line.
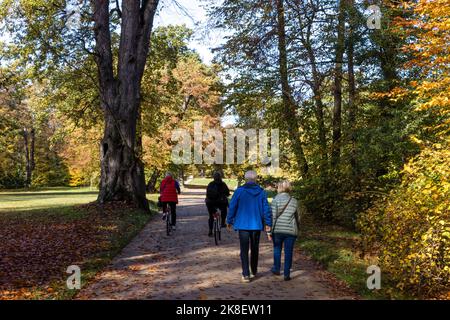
pixel 50 171
pixel 412 224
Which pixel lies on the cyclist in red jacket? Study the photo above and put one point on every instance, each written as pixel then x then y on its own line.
pixel 169 191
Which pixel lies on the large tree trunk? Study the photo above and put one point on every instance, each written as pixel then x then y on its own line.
pixel 122 171
pixel 337 88
pixel 288 102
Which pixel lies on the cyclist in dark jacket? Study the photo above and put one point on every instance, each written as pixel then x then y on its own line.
pixel 217 194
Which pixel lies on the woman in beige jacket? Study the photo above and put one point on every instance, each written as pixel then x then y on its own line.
pixel 285 213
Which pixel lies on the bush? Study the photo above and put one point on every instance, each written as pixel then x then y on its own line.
pixel 411 226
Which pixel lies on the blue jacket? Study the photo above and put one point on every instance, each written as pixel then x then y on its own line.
pixel 249 209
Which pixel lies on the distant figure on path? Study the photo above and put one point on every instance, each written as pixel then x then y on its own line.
pixel 169 190
pixel 286 215
pixel 217 194
pixel 249 213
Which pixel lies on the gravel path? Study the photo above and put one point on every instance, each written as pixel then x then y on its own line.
pixel 187 265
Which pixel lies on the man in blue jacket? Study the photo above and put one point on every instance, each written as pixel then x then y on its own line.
pixel 249 213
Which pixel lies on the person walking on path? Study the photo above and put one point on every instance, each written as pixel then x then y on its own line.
pixel 169 190
pixel 217 194
pixel 249 213
pixel 286 214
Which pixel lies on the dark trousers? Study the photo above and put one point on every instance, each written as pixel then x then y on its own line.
pixel 289 241
pixel 173 210
pixel 249 239
pixel 212 208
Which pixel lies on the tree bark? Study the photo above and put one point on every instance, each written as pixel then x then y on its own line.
pixel 352 95
pixel 151 184
pixel 337 88
pixel 122 171
pixel 28 139
pixel 316 83
pixel 288 102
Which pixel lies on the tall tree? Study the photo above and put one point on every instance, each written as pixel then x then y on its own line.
pixel 122 170
pixel 289 105
pixel 352 93
pixel 311 22
pixel 337 88
pixel 29 141
pixel 53 37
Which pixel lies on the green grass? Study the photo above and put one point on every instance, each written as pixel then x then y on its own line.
pixel 337 250
pixel 232 183
pixel 43 199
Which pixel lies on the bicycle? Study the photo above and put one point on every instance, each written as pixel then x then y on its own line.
pixel 217 226
pixel 168 218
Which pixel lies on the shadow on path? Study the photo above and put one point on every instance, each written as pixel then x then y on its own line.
pixel 187 265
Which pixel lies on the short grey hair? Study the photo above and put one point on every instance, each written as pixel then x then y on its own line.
pixel 250 176
pixel 169 174
pixel 284 186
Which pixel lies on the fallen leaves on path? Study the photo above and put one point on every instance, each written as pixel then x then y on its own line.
pixel 35 252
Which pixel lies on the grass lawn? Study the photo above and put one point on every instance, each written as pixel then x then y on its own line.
pixel 58 197
pixel 231 183
pixel 337 249
pixel 45 231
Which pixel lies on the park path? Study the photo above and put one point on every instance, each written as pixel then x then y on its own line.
pixel 187 265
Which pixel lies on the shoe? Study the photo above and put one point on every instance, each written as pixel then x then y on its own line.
pixel 287 278
pixel 252 275
pixel 210 234
pixel 174 227
pixel 277 273
pixel 164 217
pixel 245 279
pixel 223 225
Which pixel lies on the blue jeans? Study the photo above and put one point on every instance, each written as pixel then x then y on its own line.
pixel 249 239
pixel 289 241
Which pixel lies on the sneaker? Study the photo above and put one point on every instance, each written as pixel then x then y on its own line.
pixel 252 275
pixel 164 217
pixel 245 279
pixel 287 278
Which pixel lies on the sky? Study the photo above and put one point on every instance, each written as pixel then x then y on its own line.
pixel 194 16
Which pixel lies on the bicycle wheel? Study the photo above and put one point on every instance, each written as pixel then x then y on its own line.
pixel 216 232
pixel 169 223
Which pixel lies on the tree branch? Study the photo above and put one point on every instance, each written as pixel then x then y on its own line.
pixel 147 14
pixel 103 47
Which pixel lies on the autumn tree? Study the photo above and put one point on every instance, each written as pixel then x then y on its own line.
pixel 118 36
pixel 177 90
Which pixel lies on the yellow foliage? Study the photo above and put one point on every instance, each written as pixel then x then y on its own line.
pixel 411 227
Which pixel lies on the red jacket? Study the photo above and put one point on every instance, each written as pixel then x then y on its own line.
pixel 169 190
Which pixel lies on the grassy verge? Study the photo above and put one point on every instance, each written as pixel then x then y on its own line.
pixel 338 251
pixel 41 238
pixel 231 183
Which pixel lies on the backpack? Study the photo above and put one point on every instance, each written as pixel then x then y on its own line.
pixel 213 192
